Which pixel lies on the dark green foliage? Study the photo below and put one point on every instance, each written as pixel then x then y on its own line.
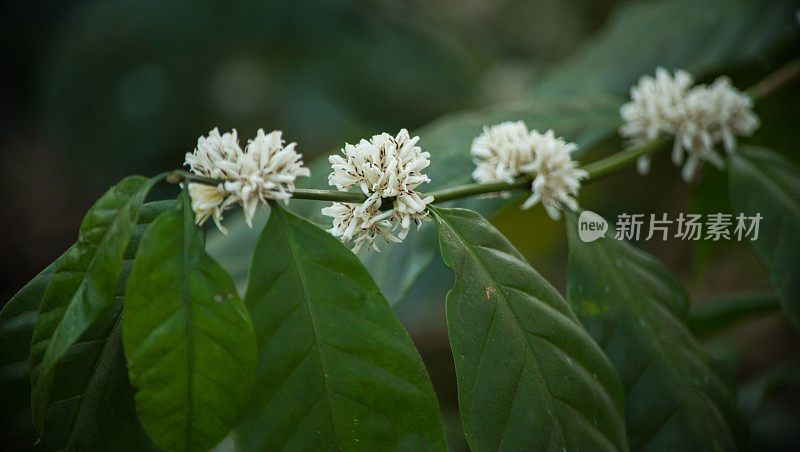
pixel 188 339
pixel 765 183
pixel 92 401
pixel 336 370
pixel 529 376
pixel 637 312
pixel 717 315
pixel 83 284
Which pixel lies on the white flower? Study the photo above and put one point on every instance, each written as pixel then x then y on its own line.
pixel 735 113
pixel 265 170
pixel 216 156
pixel 209 201
pixel 351 223
pixel 268 170
pixel 698 119
pixel 508 150
pixel 500 151
pixel 712 115
pixel 557 178
pixel 384 167
pixel 656 109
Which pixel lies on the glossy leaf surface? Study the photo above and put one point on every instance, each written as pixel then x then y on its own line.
pixel 336 370
pixel 764 183
pixel 188 339
pixel 637 312
pixel 92 402
pixel 529 376
pixel 83 284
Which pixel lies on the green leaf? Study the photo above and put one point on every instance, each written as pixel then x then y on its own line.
pixel 529 375
pixel 103 416
pixel 336 370
pixel 636 311
pixel 643 35
pixel 92 400
pixel 708 196
pixel 17 320
pixel 719 314
pixel 765 183
pixel 81 290
pixel 188 340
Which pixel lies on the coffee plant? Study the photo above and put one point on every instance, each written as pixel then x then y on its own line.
pixel 136 338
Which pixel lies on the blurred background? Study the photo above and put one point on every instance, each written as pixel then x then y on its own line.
pixel 96 90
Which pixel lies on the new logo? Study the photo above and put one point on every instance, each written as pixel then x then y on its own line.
pixel 591 226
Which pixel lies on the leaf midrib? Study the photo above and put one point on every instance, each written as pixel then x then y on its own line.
pixel 93 375
pixel 92 379
pixel 43 374
pixel 276 210
pixel 189 327
pixel 658 347
pixel 519 330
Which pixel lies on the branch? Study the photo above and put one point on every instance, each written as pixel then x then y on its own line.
pixel 463 191
pixel 775 80
pixel 622 159
pixel 597 170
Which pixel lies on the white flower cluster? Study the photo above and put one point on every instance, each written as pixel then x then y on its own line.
pixel 501 151
pixel 697 119
pixel 266 169
pixel 508 150
pixel 385 167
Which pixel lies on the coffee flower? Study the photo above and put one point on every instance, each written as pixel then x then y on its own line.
pixel 697 119
pixel 557 178
pixel 712 115
pixel 385 167
pixel 500 152
pixel 353 224
pixel 508 150
pixel 209 201
pixel 656 109
pixel 216 156
pixel 267 169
